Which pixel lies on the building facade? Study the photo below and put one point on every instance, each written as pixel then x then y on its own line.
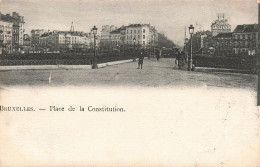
pixel 105 42
pixel 64 41
pixel 223 44
pixel 117 38
pixel 6 28
pixel 139 32
pixel 18 31
pixel 15 23
pixel 26 43
pixel 245 39
pixel 35 36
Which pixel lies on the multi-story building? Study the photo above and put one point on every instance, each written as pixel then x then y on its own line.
pixel 223 44
pixel 245 39
pixel 220 25
pixel 117 37
pixel 21 31
pixel 6 28
pixel 35 36
pixel 64 41
pixel 18 31
pixel 26 43
pixel 105 36
pixel 139 32
pixel 45 42
pixel 139 35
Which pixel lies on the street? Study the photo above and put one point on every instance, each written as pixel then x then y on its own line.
pixel 170 114
pixel 154 74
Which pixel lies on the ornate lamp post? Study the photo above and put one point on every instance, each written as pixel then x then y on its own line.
pixel 94 65
pixel 191 30
pixel 134 48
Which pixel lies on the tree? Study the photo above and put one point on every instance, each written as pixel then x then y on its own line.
pixel 163 41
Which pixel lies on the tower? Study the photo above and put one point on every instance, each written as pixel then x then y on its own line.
pixel 72 27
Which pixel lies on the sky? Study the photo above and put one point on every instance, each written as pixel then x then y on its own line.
pixel 168 16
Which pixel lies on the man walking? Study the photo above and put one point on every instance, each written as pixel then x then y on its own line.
pixel 157 53
pixel 141 59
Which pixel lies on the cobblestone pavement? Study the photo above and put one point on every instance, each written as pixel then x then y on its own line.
pixel 154 74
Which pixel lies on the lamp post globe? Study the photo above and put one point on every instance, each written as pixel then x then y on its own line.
pixel 191 29
pixel 94 29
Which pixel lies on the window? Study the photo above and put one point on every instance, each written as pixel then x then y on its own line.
pixel 236 44
pixel 143 42
pixel 246 36
pixel 135 31
pixel 138 36
pixel 246 44
pixel 143 30
pixel 241 44
pixel 127 31
pixel 143 36
pixel 131 31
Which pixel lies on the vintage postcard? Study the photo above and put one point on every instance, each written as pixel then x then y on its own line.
pixel 129 83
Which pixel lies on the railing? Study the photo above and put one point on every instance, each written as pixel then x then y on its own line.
pixel 59 59
pixel 247 63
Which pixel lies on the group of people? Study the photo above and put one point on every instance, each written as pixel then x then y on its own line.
pixel 180 60
pixel 142 54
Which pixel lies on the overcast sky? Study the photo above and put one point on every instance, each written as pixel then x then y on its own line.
pixel 168 16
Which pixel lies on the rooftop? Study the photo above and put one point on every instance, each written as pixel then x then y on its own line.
pixel 246 28
pixel 138 25
pixel 117 31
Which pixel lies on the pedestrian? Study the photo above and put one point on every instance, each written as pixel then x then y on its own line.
pixel 178 57
pixel 157 52
pixel 141 59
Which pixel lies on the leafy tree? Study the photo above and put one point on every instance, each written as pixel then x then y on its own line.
pixel 163 41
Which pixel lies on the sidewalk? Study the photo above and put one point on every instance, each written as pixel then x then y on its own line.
pixel 221 70
pixel 218 70
pixel 54 67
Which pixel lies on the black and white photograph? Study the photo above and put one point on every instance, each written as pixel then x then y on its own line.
pixel 129 83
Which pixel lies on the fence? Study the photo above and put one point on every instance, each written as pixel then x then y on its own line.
pixel 247 63
pixel 60 59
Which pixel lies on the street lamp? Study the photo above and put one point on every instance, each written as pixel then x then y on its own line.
pixel 134 48
pixel 94 65
pixel 191 30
